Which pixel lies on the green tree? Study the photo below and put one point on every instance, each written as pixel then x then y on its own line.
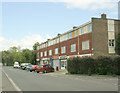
pixel 118 44
pixel 34 52
pixel 35 45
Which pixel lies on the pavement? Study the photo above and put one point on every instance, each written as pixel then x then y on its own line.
pixel 59 81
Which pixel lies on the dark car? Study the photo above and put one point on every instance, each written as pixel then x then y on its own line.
pixel 45 68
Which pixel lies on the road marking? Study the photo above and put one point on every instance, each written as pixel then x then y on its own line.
pixel 14 85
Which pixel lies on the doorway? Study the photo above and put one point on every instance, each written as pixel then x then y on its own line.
pixel 63 64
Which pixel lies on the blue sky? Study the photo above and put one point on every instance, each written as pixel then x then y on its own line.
pixel 31 22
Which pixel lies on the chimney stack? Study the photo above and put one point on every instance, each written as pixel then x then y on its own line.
pixel 103 16
pixel 74 27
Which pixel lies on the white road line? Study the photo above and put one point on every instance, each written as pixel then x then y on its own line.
pixel 14 85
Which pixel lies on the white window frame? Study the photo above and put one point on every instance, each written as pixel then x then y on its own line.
pixel 63 49
pixel 50 52
pixel 73 47
pixel 70 35
pixel 45 53
pixel 82 30
pixel 38 55
pixel 56 51
pixel 89 28
pixel 75 33
pixel 111 27
pixel 41 54
pixel 86 45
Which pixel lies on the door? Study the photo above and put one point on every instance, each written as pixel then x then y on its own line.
pixel 63 64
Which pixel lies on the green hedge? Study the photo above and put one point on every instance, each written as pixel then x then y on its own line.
pixel 102 65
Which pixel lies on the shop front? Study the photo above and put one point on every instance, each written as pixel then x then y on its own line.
pixel 56 62
pixel 63 62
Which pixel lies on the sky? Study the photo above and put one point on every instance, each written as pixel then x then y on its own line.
pixel 25 22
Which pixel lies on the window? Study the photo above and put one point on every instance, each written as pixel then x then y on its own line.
pixel 41 54
pixel 112 43
pixel 45 53
pixel 82 30
pixel 89 28
pixel 73 48
pixel 66 36
pixel 75 33
pixel 49 43
pixel 61 38
pixel 110 27
pixel 50 52
pixel 38 54
pixel 85 45
pixel 56 51
pixel 70 35
pixel 63 50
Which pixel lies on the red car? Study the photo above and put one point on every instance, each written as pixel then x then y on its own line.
pixel 44 68
pixel 33 68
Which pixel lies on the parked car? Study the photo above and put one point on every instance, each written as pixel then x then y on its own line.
pixel 29 66
pixel 24 65
pixel 16 65
pixel 45 68
pixel 33 68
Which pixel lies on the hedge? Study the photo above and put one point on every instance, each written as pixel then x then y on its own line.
pixel 103 65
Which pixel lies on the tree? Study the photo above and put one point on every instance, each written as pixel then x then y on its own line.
pixel 35 45
pixel 13 49
pixel 117 48
pixel 34 51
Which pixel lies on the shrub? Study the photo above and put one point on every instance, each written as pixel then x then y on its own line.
pixel 102 65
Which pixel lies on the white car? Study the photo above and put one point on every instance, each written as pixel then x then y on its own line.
pixel 16 65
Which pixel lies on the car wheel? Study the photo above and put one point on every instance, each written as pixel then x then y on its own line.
pixel 53 70
pixel 37 71
pixel 30 70
pixel 45 71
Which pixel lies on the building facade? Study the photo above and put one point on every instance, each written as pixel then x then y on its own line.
pixel 96 37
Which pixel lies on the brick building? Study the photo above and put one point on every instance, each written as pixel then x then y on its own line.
pixel 96 37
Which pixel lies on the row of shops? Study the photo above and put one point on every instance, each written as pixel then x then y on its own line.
pixel 55 61
pixel 58 61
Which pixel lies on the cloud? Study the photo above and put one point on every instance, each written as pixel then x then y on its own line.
pixel 26 42
pixel 82 4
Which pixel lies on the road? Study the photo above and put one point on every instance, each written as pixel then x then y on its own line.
pixel 32 81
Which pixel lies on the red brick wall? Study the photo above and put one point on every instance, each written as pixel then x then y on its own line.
pixel 68 43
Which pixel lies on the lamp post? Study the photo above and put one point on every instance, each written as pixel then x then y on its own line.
pixel 59 43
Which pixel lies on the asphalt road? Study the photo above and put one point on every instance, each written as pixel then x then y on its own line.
pixel 32 81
